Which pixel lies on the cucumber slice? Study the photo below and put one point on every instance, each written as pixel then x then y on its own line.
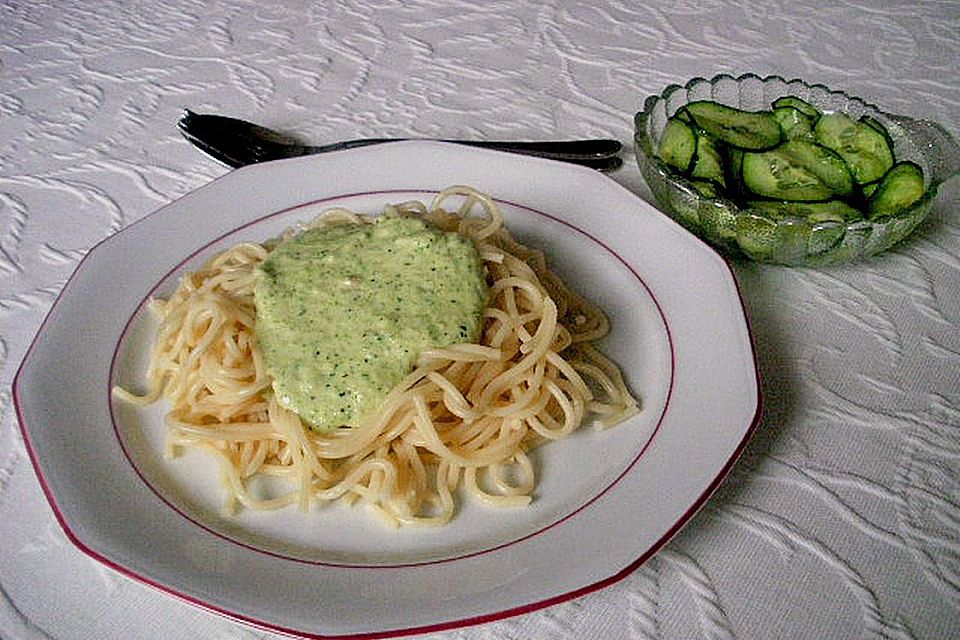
pixel 707 188
pixel 868 152
pixel 750 130
pixel 773 175
pixel 814 212
pixel 901 188
pixel 877 126
pixel 678 145
pixel 682 114
pixel 708 164
pixel 797 170
pixel 794 123
pixel 799 104
pixel 824 163
pixel 833 211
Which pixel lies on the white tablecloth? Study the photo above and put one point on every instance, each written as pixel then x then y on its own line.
pixel 841 520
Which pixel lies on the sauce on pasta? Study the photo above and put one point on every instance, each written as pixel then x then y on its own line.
pixel 343 311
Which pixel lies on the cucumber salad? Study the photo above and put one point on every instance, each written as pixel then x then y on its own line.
pixel 792 161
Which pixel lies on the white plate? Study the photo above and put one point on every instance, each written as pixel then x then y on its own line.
pixel 606 500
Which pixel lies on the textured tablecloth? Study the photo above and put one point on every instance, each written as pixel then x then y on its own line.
pixel 840 521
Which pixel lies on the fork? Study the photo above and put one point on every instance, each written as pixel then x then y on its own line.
pixel 236 143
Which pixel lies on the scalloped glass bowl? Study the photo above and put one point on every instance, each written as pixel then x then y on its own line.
pixel 791 241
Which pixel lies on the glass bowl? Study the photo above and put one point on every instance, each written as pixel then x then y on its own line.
pixel 748 232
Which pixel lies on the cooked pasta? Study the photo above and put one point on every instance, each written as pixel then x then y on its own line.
pixel 463 420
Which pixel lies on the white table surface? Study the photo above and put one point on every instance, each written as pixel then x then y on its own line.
pixel 842 518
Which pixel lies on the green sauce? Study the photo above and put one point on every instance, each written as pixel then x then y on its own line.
pixel 344 310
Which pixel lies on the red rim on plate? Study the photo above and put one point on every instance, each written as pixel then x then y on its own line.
pixel 29 430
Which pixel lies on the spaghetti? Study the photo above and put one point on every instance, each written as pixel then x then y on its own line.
pixel 467 415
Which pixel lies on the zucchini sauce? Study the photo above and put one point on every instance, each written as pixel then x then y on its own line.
pixel 343 311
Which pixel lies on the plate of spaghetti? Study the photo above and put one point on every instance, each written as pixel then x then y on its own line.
pixel 351 396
